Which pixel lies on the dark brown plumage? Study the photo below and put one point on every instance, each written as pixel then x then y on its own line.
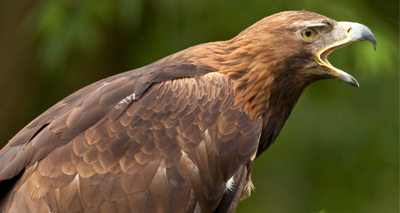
pixel 178 135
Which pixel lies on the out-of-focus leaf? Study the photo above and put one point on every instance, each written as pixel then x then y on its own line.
pixel 67 28
pixel 53 16
pixel 130 13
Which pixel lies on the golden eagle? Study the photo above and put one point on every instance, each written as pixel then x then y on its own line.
pixel 178 135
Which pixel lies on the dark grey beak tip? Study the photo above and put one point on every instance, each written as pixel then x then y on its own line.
pixel 371 38
pixel 366 34
pixel 354 82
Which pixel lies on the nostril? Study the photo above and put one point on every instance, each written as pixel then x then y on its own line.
pixel 349 30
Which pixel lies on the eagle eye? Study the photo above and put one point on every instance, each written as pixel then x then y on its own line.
pixel 308 34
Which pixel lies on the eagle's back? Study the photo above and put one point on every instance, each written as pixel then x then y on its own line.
pixel 119 146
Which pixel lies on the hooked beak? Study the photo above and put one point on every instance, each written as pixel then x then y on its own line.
pixel 354 32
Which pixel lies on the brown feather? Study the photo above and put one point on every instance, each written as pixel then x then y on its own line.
pixel 90 193
pixel 69 197
pixel 141 202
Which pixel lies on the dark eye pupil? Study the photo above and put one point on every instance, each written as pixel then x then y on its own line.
pixel 308 33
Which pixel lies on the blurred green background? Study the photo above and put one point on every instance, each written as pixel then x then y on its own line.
pixel 339 150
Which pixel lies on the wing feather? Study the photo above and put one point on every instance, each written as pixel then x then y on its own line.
pixel 138 141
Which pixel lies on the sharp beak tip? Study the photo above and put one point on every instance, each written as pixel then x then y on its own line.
pixel 347 78
pixel 357 85
pixel 372 39
pixel 353 82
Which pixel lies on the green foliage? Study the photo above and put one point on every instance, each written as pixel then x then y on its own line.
pixel 65 28
pixel 338 150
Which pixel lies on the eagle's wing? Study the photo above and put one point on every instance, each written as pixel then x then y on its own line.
pixel 156 139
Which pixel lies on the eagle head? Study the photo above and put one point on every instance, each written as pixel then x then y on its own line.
pixel 297 44
pixel 273 60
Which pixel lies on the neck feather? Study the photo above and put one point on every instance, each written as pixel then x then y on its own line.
pixel 262 83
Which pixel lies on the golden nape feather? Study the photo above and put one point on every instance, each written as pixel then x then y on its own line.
pixel 178 135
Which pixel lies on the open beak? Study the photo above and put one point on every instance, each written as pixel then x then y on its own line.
pixel 354 32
